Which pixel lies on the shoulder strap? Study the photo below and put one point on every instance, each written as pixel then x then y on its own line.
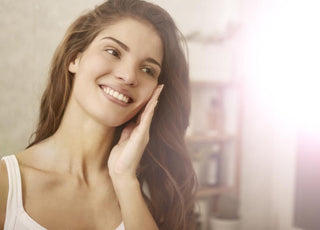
pixel 120 227
pixel 14 201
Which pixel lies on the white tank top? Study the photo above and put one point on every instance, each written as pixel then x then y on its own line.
pixel 16 216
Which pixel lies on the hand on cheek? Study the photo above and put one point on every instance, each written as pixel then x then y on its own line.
pixel 125 156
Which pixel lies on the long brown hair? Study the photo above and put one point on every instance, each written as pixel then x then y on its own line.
pixel 165 166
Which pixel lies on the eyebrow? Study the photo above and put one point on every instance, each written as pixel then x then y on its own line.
pixel 123 46
pixel 153 61
pixel 126 48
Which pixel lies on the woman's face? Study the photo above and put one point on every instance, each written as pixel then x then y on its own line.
pixel 116 75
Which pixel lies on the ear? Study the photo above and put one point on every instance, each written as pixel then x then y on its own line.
pixel 74 64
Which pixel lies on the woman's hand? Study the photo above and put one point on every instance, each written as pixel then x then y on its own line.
pixel 125 156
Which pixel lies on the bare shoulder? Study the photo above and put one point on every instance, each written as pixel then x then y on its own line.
pixel 3 192
pixel 30 160
pixel 32 157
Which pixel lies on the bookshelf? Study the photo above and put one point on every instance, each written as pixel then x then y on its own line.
pixel 214 139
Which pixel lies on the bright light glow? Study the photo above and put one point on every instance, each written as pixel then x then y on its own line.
pixel 286 65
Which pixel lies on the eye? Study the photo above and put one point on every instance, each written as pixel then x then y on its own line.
pixel 113 52
pixel 149 71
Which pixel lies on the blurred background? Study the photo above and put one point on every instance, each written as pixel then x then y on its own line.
pixel 254 128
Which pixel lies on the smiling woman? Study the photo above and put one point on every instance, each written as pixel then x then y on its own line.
pixel 108 151
pixel 118 60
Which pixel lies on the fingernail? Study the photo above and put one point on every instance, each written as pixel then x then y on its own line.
pixel 160 88
pixel 155 102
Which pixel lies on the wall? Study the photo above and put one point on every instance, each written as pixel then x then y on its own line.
pixel 268 169
pixel 31 30
pixel 270 130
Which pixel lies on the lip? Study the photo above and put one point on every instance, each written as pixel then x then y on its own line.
pixel 120 90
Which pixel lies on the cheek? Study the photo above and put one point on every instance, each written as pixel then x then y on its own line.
pixel 144 98
pixel 146 94
pixel 94 66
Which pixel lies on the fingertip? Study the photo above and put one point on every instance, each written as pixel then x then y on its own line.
pixel 155 103
pixel 159 89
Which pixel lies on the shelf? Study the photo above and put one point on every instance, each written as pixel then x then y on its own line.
pixel 209 191
pixel 213 139
pixel 207 139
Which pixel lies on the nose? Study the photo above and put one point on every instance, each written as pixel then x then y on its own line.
pixel 126 72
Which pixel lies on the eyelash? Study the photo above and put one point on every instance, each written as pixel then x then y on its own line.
pixel 117 54
pixel 114 52
pixel 150 71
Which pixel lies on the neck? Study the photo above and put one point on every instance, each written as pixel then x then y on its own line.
pixel 81 145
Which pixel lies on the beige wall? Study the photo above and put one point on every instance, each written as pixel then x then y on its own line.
pixel 30 31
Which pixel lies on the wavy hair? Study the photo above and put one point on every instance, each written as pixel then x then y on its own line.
pixel 165 165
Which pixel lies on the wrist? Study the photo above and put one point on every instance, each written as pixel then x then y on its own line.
pixel 125 182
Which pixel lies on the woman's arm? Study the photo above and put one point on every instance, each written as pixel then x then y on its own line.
pixel 123 162
pixel 135 213
pixel 3 192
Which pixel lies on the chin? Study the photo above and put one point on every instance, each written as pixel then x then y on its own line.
pixel 115 121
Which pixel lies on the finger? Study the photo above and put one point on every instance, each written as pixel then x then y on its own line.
pixel 157 92
pixel 126 132
pixel 154 99
pixel 147 114
pixel 150 104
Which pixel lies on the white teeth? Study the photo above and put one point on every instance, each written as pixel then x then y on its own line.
pixel 116 94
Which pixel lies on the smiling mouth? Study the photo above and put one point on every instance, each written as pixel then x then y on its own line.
pixel 115 94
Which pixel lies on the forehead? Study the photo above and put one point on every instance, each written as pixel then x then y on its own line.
pixel 140 36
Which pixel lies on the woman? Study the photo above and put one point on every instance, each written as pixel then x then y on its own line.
pixel 97 161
